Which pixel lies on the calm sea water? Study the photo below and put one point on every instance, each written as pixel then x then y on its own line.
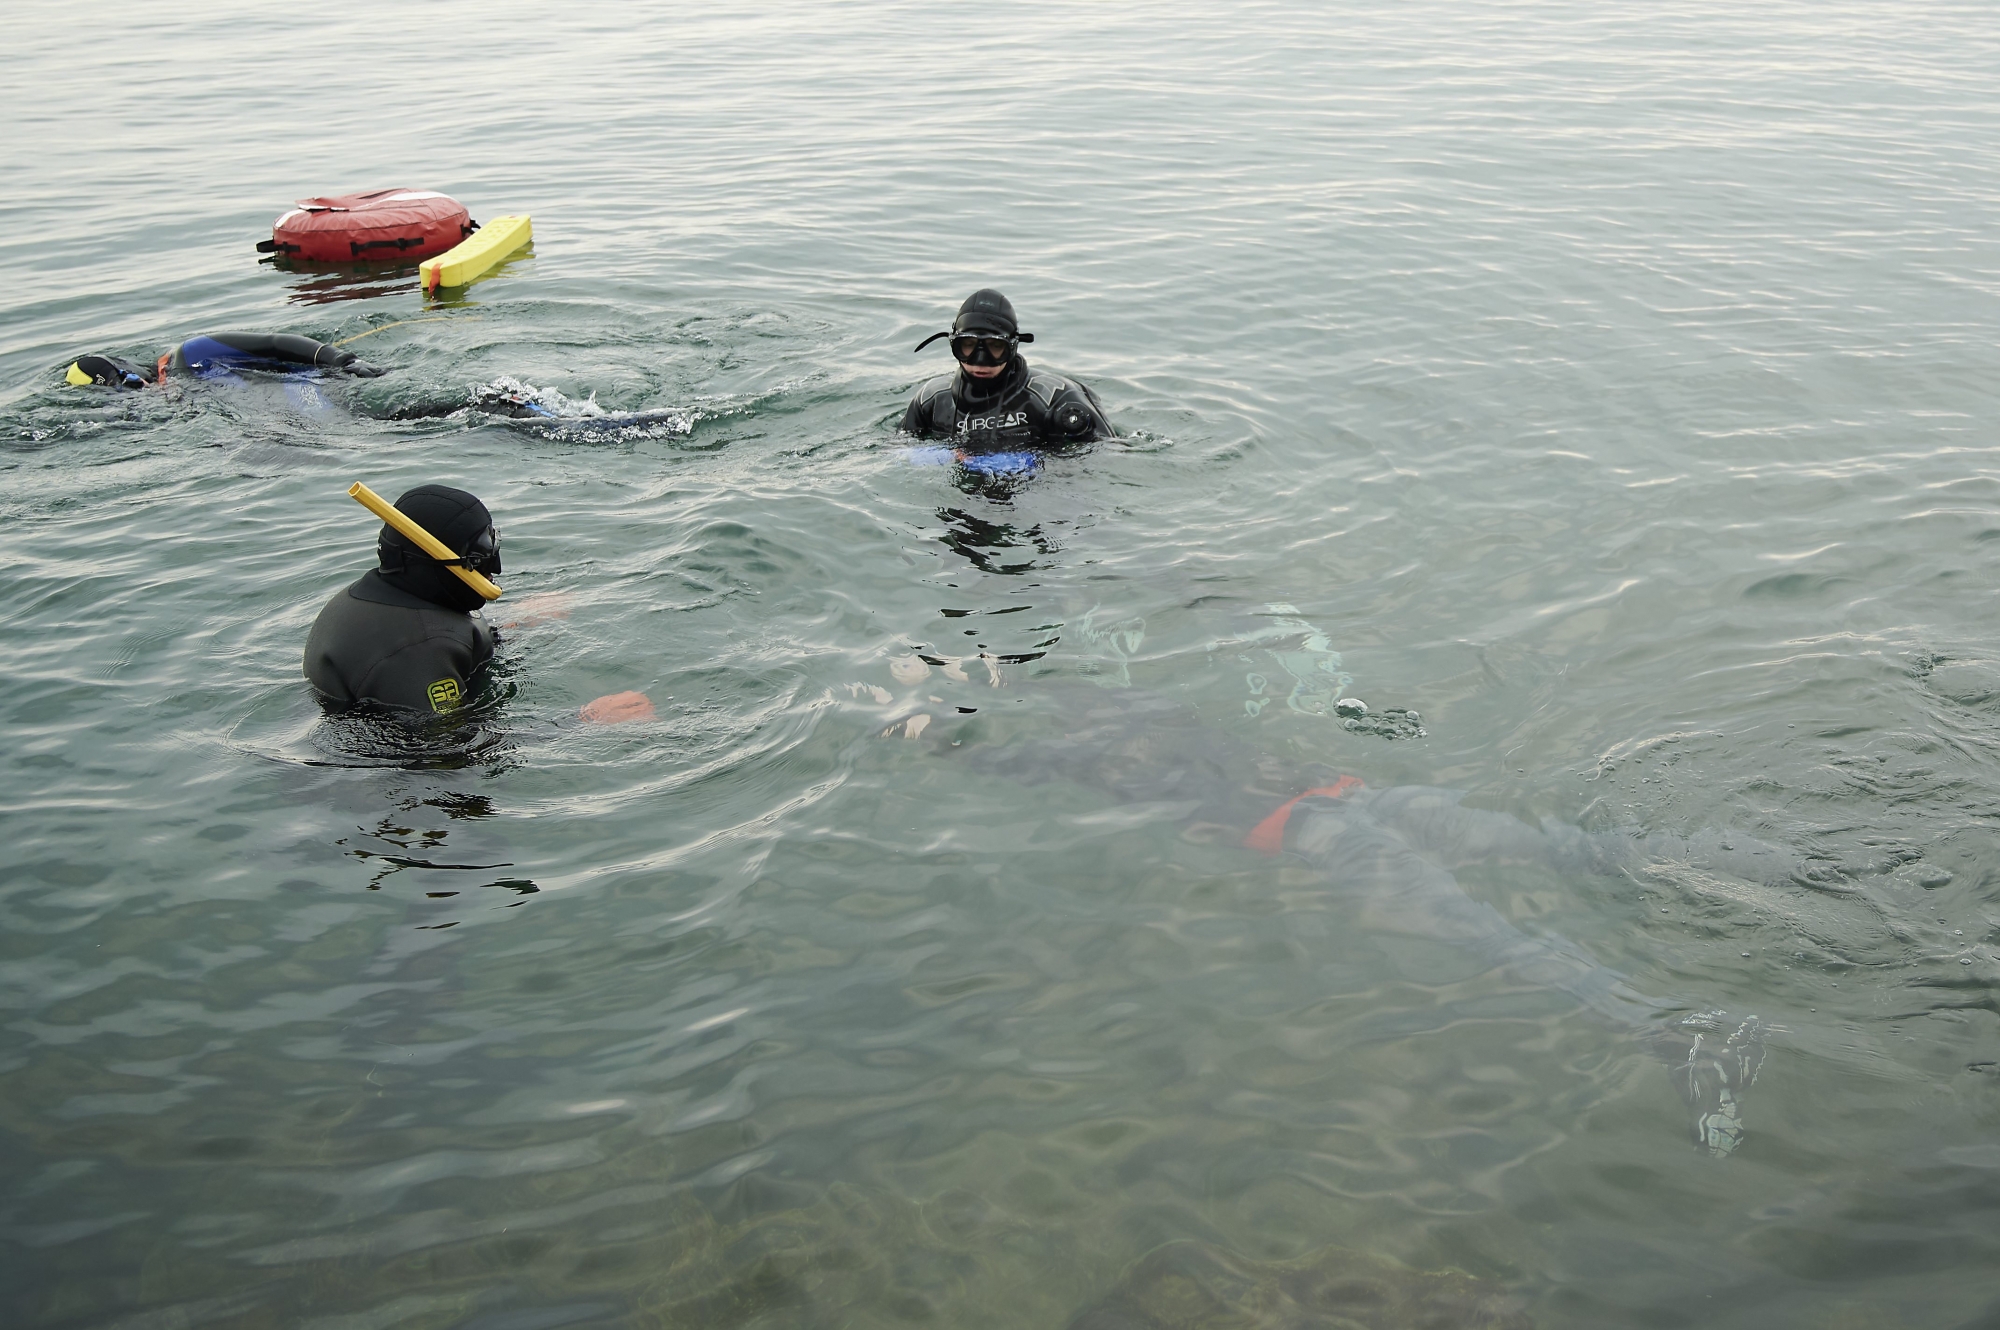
pixel 1614 386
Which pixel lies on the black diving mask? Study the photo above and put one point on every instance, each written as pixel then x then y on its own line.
pixel 970 349
pixel 481 556
pixel 484 554
pixel 1002 344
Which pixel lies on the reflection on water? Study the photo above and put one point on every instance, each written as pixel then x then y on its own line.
pixel 991 546
pixel 312 285
pixel 327 284
pixel 409 846
pixel 477 733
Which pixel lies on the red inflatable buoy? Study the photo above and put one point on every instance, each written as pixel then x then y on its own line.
pixel 381 226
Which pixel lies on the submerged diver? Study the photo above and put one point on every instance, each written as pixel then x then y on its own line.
pixel 1391 856
pixel 995 402
pixel 407 635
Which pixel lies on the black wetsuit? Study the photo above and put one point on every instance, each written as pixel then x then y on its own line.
pixel 376 642
pixel 1022 408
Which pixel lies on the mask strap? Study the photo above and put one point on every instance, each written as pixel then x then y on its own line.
pixel 406 557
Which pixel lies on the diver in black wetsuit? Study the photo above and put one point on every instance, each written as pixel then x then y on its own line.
pixel 406 635
pixel 995 402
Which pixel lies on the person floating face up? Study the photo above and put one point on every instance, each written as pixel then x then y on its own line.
pixel 995 402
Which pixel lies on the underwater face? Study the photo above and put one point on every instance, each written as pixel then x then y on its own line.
pixel 107 372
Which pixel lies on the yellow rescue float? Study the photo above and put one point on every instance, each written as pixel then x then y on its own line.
pixel 478 253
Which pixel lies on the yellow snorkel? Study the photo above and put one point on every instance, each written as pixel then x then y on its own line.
pixel 424 540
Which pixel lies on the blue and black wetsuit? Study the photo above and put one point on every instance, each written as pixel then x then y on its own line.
pixel 217 354
pixel 221 355
pixel 297 361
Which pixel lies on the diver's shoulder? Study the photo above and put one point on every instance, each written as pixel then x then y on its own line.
pixel 389 610
pixel 1049 384
pixel 1069 406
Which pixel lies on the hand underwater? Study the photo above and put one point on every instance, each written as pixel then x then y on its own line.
pixel 617 708
pixel 532 611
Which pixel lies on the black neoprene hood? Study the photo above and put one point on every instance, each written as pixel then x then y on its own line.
pixel 452 515
pixel 987 311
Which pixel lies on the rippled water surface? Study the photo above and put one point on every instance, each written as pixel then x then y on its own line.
pixel 1614 386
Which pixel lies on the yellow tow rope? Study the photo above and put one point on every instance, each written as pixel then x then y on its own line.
pixel 435 318
pixel 426 542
